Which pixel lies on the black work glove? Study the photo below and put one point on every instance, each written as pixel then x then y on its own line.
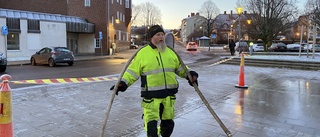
pixel 193 73
pixel 121 87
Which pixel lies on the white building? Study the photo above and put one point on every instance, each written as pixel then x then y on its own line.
pixel 30 31
pixel 190 24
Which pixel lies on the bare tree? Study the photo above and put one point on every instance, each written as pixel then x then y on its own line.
pixel 312 8
pixel 269 17
pixel 146 14
pixel 209 10
pixel 135 12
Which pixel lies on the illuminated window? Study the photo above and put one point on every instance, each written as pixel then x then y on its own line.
pixel 13 41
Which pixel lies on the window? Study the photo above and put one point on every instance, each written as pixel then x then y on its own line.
pixel 123 18
pixel 13 41
pixel 87 3
pixel 120 2
pixel 33 26
pixel 13 24
pixel 97 43
pixel 127 4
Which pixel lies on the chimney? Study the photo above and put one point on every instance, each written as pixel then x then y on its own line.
pixel 197 14
pixel 225 12
pixel 231 12
pixel 192 14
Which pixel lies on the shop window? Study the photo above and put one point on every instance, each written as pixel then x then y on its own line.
pixel 33 26
pixel 13 41
pixel 13 24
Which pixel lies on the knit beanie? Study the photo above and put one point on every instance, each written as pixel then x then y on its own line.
pixel 154 30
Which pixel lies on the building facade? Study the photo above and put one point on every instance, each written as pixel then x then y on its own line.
pixel 190 25
pixel 111 21
pixel 30 31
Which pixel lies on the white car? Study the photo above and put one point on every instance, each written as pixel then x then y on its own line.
pixel 257 47
pixel 294 47
pixel 310 47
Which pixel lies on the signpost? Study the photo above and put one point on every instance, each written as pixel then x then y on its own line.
pixel 100 37
pixel 4 31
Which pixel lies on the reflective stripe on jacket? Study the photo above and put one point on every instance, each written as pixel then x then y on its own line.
pixel 157 71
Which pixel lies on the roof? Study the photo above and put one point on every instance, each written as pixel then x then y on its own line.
pixel 9 13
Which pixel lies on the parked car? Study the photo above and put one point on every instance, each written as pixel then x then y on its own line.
pixel 310 47
pixel 242 47
pixel 257 47
pixel 3 62
pixel 278 47
pixel 226 47
pixel 133 46
pixel 192 46
pixel 52 56
pixel 294 47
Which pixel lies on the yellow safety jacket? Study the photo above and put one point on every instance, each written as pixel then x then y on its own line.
pixel 157 70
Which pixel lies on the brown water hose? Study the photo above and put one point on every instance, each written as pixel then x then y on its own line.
pixel 204 100
pixel 114 92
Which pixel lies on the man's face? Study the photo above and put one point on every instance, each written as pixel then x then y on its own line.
pixel 158 40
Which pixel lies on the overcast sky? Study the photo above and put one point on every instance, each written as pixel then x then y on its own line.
pixel 173 11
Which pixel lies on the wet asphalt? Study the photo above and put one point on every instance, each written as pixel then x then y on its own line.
pixel 279 102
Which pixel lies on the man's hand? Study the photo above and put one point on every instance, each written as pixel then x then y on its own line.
pixel 194 79
pixel 121 87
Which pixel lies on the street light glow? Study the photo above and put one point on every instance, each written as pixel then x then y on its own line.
pixel 239 10
pixel 249 21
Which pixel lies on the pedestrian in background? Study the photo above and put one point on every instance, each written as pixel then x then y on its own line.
pixel 157 66
pixel 231 47
pixel 114 47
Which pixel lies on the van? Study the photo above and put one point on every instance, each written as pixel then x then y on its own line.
pixel 242 47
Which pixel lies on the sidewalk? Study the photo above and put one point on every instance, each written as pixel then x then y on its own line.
pixel 278 102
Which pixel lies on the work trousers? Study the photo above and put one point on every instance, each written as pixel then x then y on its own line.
pixel 155 109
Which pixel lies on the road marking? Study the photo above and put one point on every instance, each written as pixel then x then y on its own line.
pixel 64 80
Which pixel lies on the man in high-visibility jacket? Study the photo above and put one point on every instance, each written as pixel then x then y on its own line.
pixel 157 66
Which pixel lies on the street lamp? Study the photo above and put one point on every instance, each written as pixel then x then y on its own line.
pixel 249 22
pixel 239 10
pixel 146 32
pixel 202 30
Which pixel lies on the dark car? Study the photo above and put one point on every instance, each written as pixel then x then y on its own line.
pixel 52 56
pixel 3 62
pixel 278 47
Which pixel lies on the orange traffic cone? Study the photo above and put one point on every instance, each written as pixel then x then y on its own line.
pixel 241 74
pixel 6 127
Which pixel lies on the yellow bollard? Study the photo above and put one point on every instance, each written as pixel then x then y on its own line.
pixel 6 127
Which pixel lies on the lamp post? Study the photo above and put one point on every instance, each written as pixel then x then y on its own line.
pixel 250 44
pixel 239 10
pixel 146 32
pixel 249 22
pixel 202 30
